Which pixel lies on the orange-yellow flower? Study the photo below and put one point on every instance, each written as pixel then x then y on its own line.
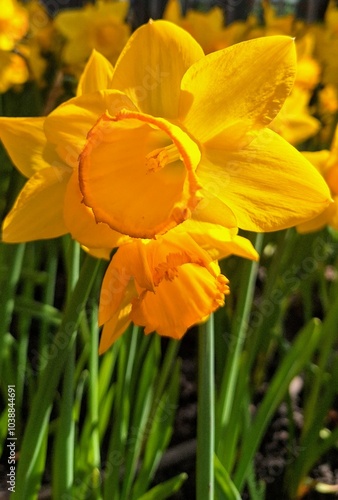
pixel 327 163
pixel 163 140
pixel 165 285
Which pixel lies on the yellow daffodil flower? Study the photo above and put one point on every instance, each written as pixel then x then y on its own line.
pixel 294 122
pixel 205 27
pixel 165 285
pixel 327 163
pixel 42 40
pixel 13 70
pixel 99 26
pixel 13 23
pixel 328 100
pixel 159 140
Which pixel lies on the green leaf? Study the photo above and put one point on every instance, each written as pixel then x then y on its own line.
pixel 160 431
pixel 226 488
pixel 166 489
pixel 293 362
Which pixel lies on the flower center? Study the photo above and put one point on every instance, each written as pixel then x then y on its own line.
pixel 168 270
pixel 159 158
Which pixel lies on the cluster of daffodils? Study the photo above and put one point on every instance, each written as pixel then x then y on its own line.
pixel 164 157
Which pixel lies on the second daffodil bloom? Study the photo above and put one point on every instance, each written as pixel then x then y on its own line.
pixel 165 285
pixel 168 135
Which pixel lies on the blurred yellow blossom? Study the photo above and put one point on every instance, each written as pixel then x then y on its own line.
pixel 308 73
pixel 208 28
pixel 327 164
pixel 14 23
pixel 13 70
pixel 325 41
pixel 328 99
pixel 294 122
pixel 99 26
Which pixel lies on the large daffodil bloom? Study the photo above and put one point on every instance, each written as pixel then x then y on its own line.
pixel 165 285
pixel 327 164
pixel 167 136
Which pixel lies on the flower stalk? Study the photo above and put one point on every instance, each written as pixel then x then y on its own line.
pixel 206 412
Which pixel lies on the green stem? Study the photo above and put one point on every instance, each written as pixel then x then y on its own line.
pixel 58 354
pixel 94 403
pixel 238 333
pixel 206 409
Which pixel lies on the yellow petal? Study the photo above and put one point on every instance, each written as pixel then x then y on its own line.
pixel 97 74
pixel 137 174
pixel 242 247
pixel 98 253
pixel 268 185
pixel 37 212
pixel 118 284
pixel 68 125
pixel 329 217
pixel 118 321
pixel 81 223
pixel 114 328
pixel 152 64
pixel 217 240
pixel 238 89
pixel 25 142
pixel 211 209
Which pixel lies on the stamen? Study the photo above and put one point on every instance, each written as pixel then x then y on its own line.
pixel 159 158
pixel 168 270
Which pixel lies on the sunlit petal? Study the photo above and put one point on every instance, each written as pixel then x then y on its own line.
pixel 97 74
pixel 239 89
pixel 68 125
pixel 151 77
pixel 32 154
pixel 267 184
pixel 37 212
